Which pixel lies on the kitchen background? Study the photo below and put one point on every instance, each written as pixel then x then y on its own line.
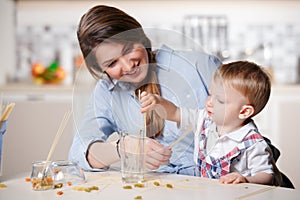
pixel 41 31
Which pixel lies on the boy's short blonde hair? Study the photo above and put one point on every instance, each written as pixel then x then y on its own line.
pixel 249 79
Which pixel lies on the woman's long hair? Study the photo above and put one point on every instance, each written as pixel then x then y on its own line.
pixel 109 24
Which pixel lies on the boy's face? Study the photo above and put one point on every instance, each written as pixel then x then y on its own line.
pixel 224 105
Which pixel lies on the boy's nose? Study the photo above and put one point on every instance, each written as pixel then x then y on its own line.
pixel 209 101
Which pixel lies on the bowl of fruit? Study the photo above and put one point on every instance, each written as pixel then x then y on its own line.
pixel 52 74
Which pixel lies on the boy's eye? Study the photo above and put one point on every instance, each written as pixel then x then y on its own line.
pixel 220 101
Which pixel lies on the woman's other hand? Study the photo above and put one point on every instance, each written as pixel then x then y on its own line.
pixel 156 154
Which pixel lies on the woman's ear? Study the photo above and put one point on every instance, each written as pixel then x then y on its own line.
pixel 246 111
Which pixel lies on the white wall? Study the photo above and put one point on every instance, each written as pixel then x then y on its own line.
pixel 7 38
pixel 153 13
pixel 246 19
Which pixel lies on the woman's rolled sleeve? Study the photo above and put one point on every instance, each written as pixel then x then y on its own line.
pixel 78 153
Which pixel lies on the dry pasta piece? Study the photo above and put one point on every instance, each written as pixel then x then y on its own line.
pixel 75 187
pixel 58 185
pixel 138 198
pixel 78 188
pixel 168 185
pixel 86 189
pixel 127 187
pixel 156 183
pixel 49 179
pixel 42 183
pixel 27 179
pixel 139 185
pixel 94 188
pixel 59 192
pixel 3 186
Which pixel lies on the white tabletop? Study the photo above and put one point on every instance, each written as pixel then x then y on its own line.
pixel 111 187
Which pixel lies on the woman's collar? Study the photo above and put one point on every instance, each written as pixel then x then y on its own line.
pixel 164 57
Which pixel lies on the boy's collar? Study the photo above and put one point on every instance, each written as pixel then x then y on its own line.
pixel 239 134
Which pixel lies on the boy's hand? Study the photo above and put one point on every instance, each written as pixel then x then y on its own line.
pixel 233 178
pixel 161 106
pixel 152 102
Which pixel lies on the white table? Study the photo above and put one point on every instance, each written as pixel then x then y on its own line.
pixel 111 187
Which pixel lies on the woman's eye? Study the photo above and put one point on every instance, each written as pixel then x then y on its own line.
pixel 127 51
pixel 111 64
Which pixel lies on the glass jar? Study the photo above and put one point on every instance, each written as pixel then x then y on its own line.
pixel 42 175
pixel 67 172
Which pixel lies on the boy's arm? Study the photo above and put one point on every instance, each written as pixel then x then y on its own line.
pixel 261 178
pixel 235 177
pixel 163 107
pixel 172 111
pixel 259 163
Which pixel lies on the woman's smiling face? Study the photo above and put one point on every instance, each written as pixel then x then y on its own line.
pixel 127 63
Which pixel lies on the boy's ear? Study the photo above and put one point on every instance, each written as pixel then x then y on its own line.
pixel 246 111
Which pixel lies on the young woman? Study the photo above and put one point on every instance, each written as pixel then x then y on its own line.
pixel 119 55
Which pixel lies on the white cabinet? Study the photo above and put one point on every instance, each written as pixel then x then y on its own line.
pixel 280 122
pixel 33 125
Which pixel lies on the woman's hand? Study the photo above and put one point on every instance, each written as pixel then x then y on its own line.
pixel 233 178
pixel 156 154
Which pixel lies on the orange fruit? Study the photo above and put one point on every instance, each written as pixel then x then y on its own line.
pixel 37 69
pixel 60 73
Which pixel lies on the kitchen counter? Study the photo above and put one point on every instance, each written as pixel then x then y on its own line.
pixel 110 186
pixel 24 87
pixel 20 92
pixel 12 87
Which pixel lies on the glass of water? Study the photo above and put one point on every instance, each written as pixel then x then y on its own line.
pixel 132 153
